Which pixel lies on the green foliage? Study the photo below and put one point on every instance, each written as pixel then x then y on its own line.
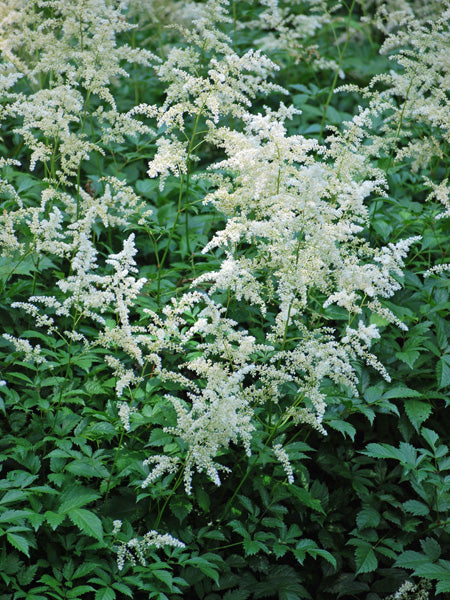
pixel 370 502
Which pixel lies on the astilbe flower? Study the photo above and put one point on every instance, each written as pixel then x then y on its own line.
pixel 301 218
pixel 288 28
pixel 293 246
pixel 407 117
pixel 77 51
pixel 205 79
pixel 89 295
pixel 135 549
pixel 390 15
pixel 412 94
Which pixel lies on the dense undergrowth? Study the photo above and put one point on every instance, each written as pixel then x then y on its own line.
pixel 224 295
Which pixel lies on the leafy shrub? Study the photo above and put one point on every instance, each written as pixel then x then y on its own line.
pixel 225 359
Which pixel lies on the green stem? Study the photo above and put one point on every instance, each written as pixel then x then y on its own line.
pixel 169 497
pixel 113 467
pixel 336 75
pixel 281 422
pixel 183 192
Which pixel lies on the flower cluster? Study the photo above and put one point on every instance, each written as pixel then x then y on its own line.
pixel 135 549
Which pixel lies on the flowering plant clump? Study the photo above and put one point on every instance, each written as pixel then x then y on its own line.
pixel 224 291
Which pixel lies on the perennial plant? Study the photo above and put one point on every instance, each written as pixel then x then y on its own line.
pixel 224 306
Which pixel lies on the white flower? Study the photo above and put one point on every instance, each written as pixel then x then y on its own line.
pixel 283 457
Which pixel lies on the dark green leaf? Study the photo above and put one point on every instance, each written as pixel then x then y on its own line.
pixel 366 561
pixel 18 542
pixel 87 522
pixel 417 412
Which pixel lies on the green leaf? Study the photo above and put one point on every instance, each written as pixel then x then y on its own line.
pixel 433 571
pixel 12 516
pixel 280 549
pixel 303 547
pixel 123 589
pixel 164 576
pixel 79 590
pixel 12 496
pixel 205 566
pixel 54 519
pixel 305 498
pixel 342 426
pixel 430 436
pixel 409 357
pixel 180 507
pixel 76 496
pixel 327 556
pixel 406 454
pixel 417 412
pixel 401 391
pixel 239 528
pixel 382 451
pixel 366 561
pixel 416 508
pixel 443 371
pixel 431 548
pixel 367 517
pixel 252 547
pixel 87 522
pixel 19 542
pixel 442 587
pixel 203 499
pixel 87 468
pixel 410 559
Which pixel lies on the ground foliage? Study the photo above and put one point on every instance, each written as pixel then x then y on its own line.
pixel 122 337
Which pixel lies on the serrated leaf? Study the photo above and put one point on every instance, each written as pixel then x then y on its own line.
pixel 443 587
pixel 401 391
pixel 204 566
pixel 431 548
pixel 409 357
pixel 433 571
pixel 87 468
pixel 105 594
pixel 26 576
pixel 164 576
pixel 406 454
pixel 123 589
pixel 12 516
pixel 19 542
pixel 79 590
pixel 382 451
pixel 416 508
pixel 75 497
pixel 239 528
pixel 305 498
pixel 252 547
pixel 203 499
pixel 180 507
pixel 327 556
pixel 365 558
pixel 387 552
pixel 87 522
pixel 12 496
pixel 367 517
pixel 36 520
pixel 410 559
pixel 430 436
pixel 237 594
pixel 280 549
pixel 443 371
pixel 54 519
pixel 306 544
pixel 343 426
pixel 417 412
